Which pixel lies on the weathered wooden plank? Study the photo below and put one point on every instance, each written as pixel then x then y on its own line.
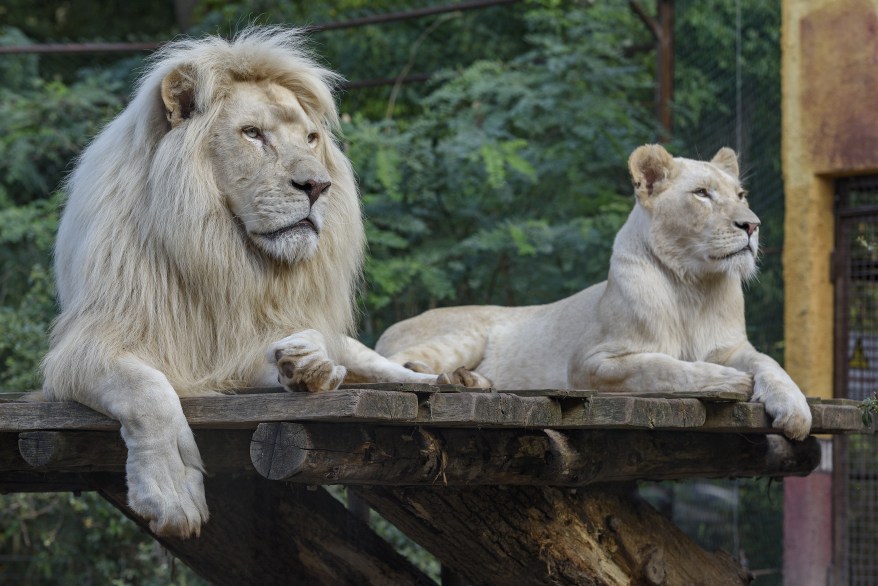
pixel 706 396
pixel 827 417
pixel 619 411
pixel 222 451
pixel 550 536
pixel 267 533
pixel 52 415
pixel 554 393
pixel 247 411
pixel 359 454
pixel 11 397
pixel 561 409
pixel 226 411
pixel 835 418
pixel 489 409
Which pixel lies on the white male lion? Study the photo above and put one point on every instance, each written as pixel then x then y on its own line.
pixel 213 217
pixel 670 316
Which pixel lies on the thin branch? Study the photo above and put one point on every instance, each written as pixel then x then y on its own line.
pixel 649 21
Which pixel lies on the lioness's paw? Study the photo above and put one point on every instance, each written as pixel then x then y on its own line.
pixel 725 379
pixel 465 377
pixel 165 482
pixel 785 403
pixel 302 362
pixel 418 366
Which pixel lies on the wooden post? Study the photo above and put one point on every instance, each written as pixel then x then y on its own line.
pixel 662 29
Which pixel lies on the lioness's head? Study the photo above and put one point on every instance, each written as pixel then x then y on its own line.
pixel 267 141
pixel 699 220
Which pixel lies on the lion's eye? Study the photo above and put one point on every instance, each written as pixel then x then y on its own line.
pixel 742 195
pixel 702 193
pixel 312 139
pixel 251 132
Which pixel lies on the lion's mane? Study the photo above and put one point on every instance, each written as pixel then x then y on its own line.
pixel 149 259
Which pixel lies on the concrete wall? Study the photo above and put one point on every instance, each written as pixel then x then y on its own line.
pixel 830 129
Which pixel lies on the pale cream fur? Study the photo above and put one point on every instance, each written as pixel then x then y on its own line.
pixel 210 220
pixel 670 316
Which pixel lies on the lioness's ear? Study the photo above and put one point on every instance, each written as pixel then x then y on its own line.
pixel 178 94
pixel 650 165
pixel 727 160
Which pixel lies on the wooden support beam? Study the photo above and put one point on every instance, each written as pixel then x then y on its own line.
pixel 544 535
pixel 222 451
pixel 263 532
pixel 355 454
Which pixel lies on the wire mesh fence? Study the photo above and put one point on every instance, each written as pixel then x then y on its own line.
pixel 735 58
pixel 856 471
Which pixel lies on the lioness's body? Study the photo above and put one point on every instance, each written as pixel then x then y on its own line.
pixel 670 316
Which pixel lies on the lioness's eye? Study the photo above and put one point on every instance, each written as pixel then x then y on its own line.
pixel 251 132
pixel 742 195
pixel 701 192
pixel 312 139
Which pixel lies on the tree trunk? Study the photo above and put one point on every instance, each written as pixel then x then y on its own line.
pixel 541 535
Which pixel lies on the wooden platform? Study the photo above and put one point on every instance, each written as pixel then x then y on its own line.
pixel 424 456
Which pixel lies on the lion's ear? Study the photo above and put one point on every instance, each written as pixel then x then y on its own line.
pixel 178 94
pixel 650 165
pixel 727 160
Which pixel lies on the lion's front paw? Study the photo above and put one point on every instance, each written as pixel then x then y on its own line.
pixel 785 403
pixel 465 377
pixel 719 378
pixel 165 482
pixel 302 362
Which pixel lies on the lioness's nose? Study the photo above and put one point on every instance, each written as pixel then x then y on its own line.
pixel 313 188
pixel 748 227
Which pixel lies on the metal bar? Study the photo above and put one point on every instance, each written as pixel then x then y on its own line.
pixel 379 81
pixel 65 48
pixel 666 67
pixel 408 14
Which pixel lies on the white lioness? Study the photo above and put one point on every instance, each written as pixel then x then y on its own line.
pixel 670 316
pixel 213 217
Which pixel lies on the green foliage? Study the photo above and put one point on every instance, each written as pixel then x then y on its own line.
pixel 869 406
pixel 43 126
pixel 506 186
pixel 60 539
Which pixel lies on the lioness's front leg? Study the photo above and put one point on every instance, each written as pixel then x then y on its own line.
pixel 783 399
pixel 655 372
pixel 163 468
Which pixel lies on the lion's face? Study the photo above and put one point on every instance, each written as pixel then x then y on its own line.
pixel 699 216
pixel 267 155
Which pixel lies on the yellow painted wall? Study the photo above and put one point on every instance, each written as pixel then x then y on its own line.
pixel 830 129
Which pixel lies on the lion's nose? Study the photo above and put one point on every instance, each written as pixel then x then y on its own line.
pixel 313 188
pixel 748 227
